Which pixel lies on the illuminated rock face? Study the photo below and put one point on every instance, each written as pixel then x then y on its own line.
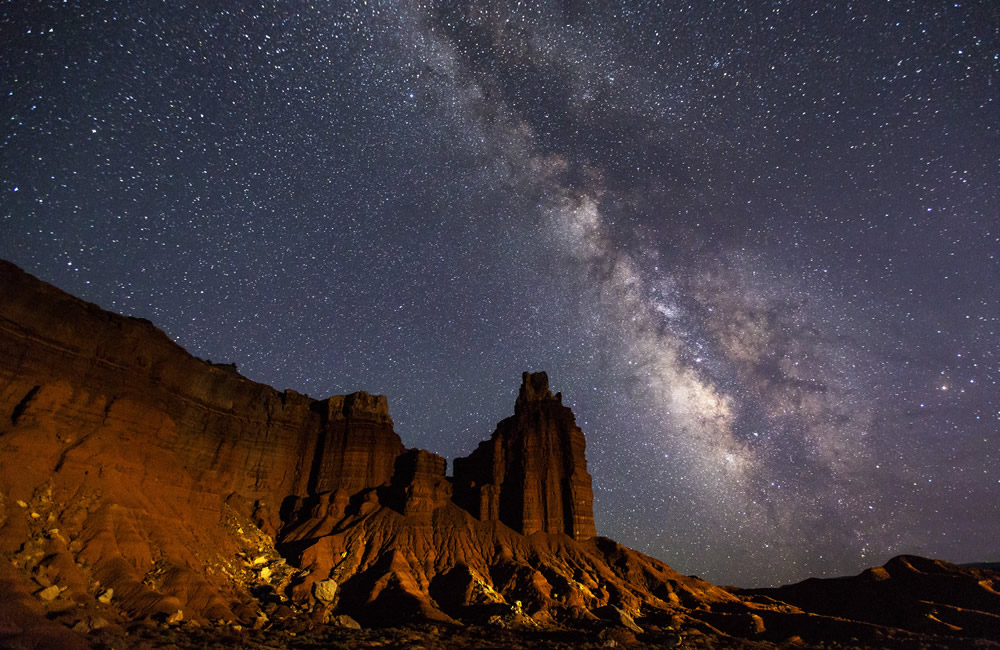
pixel 532 473
pixel 137 451
pixel 161 470
pixel 357 447
pixel 138 481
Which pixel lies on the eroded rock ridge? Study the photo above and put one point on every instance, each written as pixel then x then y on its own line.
pixel 139 483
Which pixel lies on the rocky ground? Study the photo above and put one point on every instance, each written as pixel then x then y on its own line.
pixel 453 637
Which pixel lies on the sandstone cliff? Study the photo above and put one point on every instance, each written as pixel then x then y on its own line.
pixel 130 468
pixel 140 483
pixel 126 463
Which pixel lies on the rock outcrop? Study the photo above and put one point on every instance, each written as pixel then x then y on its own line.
pixel 357 447
pixel 421 483
pixel 151 465
pixel 532 473
pixel 139 483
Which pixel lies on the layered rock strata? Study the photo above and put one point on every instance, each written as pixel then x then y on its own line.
pixel 134 451
pixel 532 473
pixel 138 482
pixel 356 447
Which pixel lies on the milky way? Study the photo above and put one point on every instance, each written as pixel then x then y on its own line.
pixel 754 244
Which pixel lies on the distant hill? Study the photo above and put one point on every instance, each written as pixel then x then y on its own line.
pixel 992 566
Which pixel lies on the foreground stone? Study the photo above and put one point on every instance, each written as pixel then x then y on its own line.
pixel 325 590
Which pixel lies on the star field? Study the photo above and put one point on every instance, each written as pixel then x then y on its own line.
pixel 754 244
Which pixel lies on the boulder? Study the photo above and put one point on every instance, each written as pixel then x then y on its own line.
pixel 325 590
pixel 50 593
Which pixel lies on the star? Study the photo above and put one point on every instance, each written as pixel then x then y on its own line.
pixel 747 243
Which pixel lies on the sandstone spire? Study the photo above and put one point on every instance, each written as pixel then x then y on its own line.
pixel 532 473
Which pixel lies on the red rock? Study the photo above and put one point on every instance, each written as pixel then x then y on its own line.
pixel 126 464
pixel 136 446
pixel 357 448
pixel 420 478
pixel 532 473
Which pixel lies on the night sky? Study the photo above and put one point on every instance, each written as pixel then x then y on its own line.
pixel 754 244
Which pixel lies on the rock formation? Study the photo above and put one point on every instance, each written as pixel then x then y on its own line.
pixel 357 447
pixel 140 483
pixel 532 473
pixel 175 482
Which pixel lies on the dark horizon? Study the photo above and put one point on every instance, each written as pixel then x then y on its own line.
pixel 755 245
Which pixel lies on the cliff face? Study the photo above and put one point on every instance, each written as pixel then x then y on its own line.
pixel 77 381
pixel 138 481
pixel 532 473
pixel 356 446
pixel 127 464
pixel 145 459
